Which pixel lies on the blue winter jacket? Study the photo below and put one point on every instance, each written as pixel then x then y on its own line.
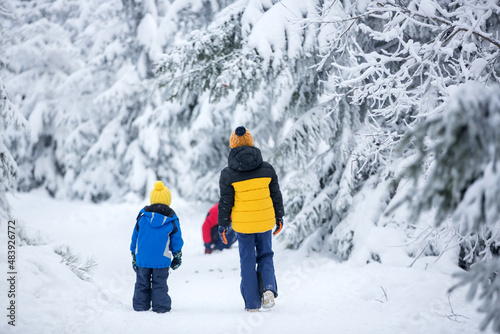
pixel 157 233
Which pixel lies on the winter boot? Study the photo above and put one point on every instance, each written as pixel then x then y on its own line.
pixel 268 299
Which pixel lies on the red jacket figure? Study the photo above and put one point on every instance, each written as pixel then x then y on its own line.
pixel 211 237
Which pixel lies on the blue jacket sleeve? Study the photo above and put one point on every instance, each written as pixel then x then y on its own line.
pixel 133 244
pixel 176 241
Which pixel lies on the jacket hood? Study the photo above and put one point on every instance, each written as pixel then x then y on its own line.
pixel 158 214
pixel 245 158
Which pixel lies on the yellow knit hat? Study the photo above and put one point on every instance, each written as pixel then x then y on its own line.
pixel 160 194
pixel 240 137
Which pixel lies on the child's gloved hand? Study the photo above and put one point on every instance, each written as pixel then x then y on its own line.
pixel 177 260
pixel 208 248
pixel 134 266
pixel 222 234
pixel 279 226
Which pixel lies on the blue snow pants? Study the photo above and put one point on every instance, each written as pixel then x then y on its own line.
pixel 151 288
pixel 257 267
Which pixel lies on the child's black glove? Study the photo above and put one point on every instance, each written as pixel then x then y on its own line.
pixel 176 261
pixel 279 226
pixel 222 234
pixel 134 266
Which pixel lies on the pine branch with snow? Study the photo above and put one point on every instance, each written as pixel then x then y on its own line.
pixel 10 120
pixel 464 146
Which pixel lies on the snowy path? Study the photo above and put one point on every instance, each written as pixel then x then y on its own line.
pixel 317 295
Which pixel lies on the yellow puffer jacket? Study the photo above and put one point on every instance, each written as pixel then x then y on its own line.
pixel 250 194
pixel 253 209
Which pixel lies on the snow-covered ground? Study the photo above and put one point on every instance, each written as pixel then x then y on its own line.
pixel 316 293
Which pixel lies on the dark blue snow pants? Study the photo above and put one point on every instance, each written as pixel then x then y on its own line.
pixel 257 267
pixel 151 288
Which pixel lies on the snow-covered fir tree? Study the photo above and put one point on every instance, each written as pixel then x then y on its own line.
pixel 463 182
pixel 429 71
pixel 81 74
pixel 259 76
pixel 11 119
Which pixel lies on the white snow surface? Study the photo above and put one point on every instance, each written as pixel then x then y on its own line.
pixel 317 294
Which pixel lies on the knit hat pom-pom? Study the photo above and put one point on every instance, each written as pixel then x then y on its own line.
pixel 240 137
pixel 160 194
pixel 159 185
pixel 240 131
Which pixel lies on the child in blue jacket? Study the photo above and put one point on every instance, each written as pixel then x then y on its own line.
pixel 156 246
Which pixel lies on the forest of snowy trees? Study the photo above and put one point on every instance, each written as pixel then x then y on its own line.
pixel 400 99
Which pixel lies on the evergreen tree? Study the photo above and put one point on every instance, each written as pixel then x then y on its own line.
pixel 238 67
pixel 38 59
pixel 463 181
pixel 10 118
pixel 414 64
pixel 82 75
